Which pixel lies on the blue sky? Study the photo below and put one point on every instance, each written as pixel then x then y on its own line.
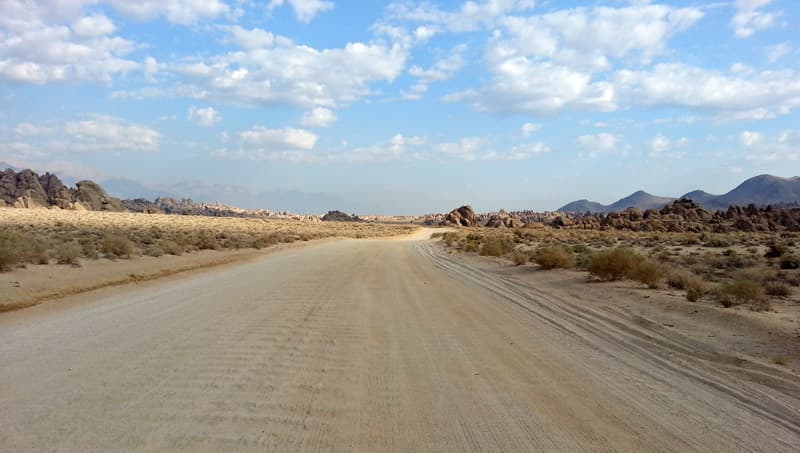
pixel 402 107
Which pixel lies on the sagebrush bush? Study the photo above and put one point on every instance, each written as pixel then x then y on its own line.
pixel 68 253
pixel 613 264
pixel 790 262
pixel 552 257
pixel 778 289
pixel 743 292
pixel 171 247
pixel 520 257
pixel 497 246
pixel 648 272
pixel 13 250
pixel 117 246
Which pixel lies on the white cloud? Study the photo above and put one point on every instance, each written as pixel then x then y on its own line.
pixel 28 129
pixel 467 148
pixel 756 114
pixel 184 12
pixel 78 48
pixel 522 85
pixel 288 73
pixel 107 133
pixel 287 138
pixel 601 142
pixel 749 18
pixel 778 51
pixel 443 69
pixel 254 38
pixel 750 138
pixel 470 16
pixel 304 10
pixel 678 85
pixel 529 128
pixel 561 36
pixel 659 144
pixel 783 146
pixel 318 117
pixel 206 117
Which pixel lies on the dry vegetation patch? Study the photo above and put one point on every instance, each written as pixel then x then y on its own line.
pixel 754 270
pixel 35 236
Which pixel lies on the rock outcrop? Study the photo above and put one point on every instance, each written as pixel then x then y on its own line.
pixel 339 216
pixel 27 189
pixel 463 216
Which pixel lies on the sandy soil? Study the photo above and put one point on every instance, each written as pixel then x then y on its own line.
pixel 379 346
pixel 35 284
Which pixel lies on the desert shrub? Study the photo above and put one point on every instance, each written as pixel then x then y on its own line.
pixel 552 257
pixel 154 250
pixel 613 264
pixel 450 238
pixel 790 262
pixel 438 235
pixel 695 289
pixel 581 248
pixel 117 246
pixel 520 257
pixel 206 241
pixel 68 253
pixel 496 246
pixel 778 289
pixel 89 248
pixel 775 251
pixel 38 252
pixel 743 292
pixel 716 241
pixel 171 247
pixel 13 249
pixel 648 272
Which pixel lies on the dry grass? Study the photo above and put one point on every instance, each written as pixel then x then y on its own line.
pixel 701 264
pixel 33 236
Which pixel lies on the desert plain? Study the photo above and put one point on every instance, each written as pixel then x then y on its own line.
pixel 217 334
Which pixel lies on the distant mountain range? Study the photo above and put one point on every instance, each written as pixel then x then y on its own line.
pixel 760 190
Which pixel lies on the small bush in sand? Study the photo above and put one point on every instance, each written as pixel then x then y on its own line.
pixel 613 264
pixel 116 246
pixel 171 247
pixel 780 360
pixel 497 246
pixel 648 272
pixel 520 257
pixel 744 292
pixel 68 253
pixel 13 249
pixel 778 289
pixel 553 257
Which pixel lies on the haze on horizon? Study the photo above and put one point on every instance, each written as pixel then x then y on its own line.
pixel 402 107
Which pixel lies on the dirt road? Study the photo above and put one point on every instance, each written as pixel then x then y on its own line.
pixel 371 346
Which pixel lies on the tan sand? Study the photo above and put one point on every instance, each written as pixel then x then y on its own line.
pixel 376 346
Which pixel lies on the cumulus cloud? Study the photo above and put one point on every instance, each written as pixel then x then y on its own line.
pixel 750 138
pixel 749 17
pixel 529 128
pixel 304 10
pixel 470 16
pixel 679 85
pixel 29 129
pixel 261 143
pixel 33 50
pixel 206 117
pixel 183 12
pixel 598 143
pixel 318 117
pixel 107 133
pixel 282 72
pixel 522 85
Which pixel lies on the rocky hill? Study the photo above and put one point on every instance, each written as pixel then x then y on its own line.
pixel 27 189
pixel 762 190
